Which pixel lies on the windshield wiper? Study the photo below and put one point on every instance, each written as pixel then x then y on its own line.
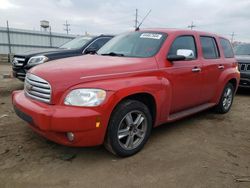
pixel 113 54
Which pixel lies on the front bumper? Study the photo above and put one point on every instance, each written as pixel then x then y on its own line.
pixel 244 80
pixel 54 121
pixel 19 73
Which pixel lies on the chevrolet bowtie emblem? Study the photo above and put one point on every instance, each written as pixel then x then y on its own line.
pixel 28 86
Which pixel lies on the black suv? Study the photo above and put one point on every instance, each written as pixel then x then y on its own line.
pixel 242 53
pixel 81 45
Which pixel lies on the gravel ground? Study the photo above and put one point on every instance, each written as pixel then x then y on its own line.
pixel 205 150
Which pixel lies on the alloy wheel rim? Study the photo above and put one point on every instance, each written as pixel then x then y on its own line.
pixel 227 98
pixel 132 130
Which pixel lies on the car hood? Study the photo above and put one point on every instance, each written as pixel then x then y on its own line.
pixel 65 73
pixel 47 52
pixel 243 58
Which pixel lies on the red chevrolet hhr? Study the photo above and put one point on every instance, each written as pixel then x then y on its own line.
pixel 135 82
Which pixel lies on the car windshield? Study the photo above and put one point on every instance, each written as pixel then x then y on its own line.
pixel 76 43
pixel 243 49
pixel 134 44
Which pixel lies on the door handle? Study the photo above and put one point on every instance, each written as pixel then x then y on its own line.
pixel 221 67
pixel 196 69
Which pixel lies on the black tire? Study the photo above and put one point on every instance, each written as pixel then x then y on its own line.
pixel 223 107
pixel 136 137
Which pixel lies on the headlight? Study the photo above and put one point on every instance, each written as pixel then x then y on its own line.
pixel 85 97
pixel 37 60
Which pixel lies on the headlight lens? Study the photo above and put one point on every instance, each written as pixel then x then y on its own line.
pixel 85 97
pixel 37 60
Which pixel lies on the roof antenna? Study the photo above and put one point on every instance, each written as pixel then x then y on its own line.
pixel 138 27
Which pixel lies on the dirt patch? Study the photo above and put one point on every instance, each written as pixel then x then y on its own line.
pixel 205 150
pixel 8 85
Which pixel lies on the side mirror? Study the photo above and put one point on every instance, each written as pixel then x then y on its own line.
pixel 188 54
pixel 176 58
pixel 90 50
pixel 182 54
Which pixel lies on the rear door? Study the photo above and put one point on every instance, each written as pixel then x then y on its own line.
pixel 212 67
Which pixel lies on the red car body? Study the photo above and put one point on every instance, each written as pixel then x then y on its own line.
pixel 173 89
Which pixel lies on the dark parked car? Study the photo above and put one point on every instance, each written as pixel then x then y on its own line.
pixel 242 53
pixel 81 45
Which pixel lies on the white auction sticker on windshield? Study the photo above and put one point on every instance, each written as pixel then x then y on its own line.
pixel 151 36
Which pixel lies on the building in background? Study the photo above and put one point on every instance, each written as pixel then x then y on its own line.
pixel 18 40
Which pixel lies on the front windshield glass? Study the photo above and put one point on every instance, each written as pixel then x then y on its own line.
pixel 135 44
pixel 76 43
pixel 243 49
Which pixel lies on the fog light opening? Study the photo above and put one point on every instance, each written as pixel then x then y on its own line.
pixel 70 136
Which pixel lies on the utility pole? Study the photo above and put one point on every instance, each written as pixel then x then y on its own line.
pixel 50 37
pixel 192 26
pixel 67 29
pixel 232 37
pixel 136 18
pixel 8 35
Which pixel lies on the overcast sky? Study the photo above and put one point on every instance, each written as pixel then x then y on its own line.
pixel 114 16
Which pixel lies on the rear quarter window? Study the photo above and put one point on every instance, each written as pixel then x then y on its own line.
pixel 209 47
pixel 227 48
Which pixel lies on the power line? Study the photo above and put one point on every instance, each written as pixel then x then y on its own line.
pixel 67 29
pixel 191 26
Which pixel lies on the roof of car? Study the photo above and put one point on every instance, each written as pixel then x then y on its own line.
pixel 94 36
pixel 179 31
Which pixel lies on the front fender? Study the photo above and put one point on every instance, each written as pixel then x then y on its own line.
pixel 120 88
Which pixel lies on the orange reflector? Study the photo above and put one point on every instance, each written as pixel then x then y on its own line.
pixel 97 125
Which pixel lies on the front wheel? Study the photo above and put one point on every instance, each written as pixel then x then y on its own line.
pixel 226 99
pixel 129 128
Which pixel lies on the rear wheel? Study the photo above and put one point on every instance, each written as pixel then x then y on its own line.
pixel 129 128
pixel 226 99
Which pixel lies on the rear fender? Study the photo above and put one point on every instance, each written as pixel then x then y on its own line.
pixel 225 77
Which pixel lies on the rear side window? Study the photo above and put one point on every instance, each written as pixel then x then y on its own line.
pixel 227 48
pixel 183 42
pixel 209 48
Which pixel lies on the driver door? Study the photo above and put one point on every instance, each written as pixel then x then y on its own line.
pixel 185 76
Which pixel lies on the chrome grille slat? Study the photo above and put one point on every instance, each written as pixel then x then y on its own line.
pixel 37 88
pixel 45 91
pixel 38 84
pixel 38 98
pixel 18 61
pixel 34 93
pixel 20 74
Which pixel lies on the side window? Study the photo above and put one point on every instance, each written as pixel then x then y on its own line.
pixel 227 48
pixel 209 48
pixel 183 42
pixel 99 43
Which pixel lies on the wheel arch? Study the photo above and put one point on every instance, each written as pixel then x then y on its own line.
pixel 233 81
pixel 146 98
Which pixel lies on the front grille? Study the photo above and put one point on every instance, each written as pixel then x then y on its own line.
pixel 244 67
pixel 20 75
pixel 18 61
pixel 37 88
